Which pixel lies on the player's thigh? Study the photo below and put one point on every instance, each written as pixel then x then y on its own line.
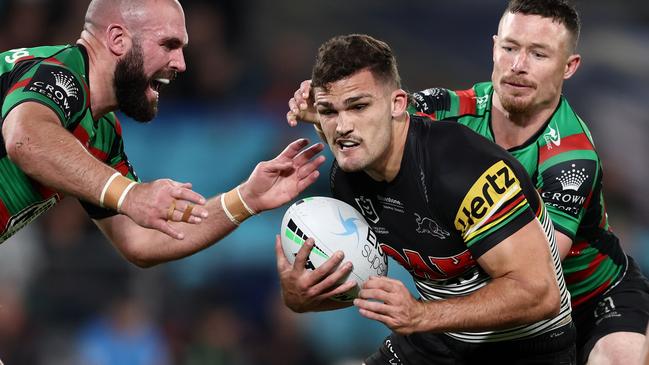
pixel 619 348
pixel 624 310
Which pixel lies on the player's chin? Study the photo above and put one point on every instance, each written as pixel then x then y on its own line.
pixel 347 165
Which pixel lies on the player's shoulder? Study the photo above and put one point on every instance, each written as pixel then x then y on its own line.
pixel 447 136
pixel 564 135
pixel 52 75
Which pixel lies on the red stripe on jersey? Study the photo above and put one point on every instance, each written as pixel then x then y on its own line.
pixel 4 216
pixel 578 247
pixel 21 83
pixel 585 273
pixel 99 154
pixel 81 134
pixel 594 293
pixel 429 116
pixel 122 167
pixel 467 101
pixel 506 209
pixel 118 127
pixel 53 60
pixel 24 58
pixel 588 199
pixel 570 143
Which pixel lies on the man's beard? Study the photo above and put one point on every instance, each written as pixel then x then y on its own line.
pixel 515 106
pixel 131 85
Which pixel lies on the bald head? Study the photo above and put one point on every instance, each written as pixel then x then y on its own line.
pixel 131 13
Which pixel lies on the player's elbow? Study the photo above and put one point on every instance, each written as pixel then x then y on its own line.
pixel 18 150
pixel 547 299
pixel 141 261
pixel 136 255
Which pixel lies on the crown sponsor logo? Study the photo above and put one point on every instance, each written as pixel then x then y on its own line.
pixel 572 179
pixel 67 84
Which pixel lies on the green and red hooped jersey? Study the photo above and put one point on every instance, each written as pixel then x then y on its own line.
pixel 57 77
pixel 562 162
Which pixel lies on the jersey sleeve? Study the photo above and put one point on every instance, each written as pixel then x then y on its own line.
pixel 439 103
pixel 109 147
pixel 568 182
pixel 53 85
pixel 486 192
pixel 493 208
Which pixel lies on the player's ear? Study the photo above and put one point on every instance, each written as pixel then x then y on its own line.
pixel 118 39
pixel 399 102
pixel 571 66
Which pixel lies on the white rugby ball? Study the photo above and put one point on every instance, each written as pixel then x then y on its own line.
pixel 335 226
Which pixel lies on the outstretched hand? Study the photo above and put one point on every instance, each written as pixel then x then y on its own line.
pixel 156 204
pixel 278 181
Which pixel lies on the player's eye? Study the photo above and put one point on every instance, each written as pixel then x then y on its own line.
pixel 359 107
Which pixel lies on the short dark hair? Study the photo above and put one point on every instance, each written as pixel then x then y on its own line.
pixel 558 10
pixel 344 55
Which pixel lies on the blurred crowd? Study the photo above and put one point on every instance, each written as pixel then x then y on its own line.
pixel 67 297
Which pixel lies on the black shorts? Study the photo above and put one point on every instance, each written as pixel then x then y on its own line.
pixel 624 308
pixel 554 347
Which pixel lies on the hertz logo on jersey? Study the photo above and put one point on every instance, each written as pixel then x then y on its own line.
pixel 488 194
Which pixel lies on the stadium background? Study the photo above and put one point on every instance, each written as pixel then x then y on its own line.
pixel 66 297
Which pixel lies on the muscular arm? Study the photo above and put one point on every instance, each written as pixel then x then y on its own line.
pixel 38 144
pixel 523 288
pixel 564 243
pixel 271 184
pixel 45 151
pixel 147 247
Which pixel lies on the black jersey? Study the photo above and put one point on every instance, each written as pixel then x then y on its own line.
pixel 455 197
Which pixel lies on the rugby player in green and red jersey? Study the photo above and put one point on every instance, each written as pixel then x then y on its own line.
pixel 60 137
pixel 522 110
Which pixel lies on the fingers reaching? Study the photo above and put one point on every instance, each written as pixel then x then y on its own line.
pixel 183 193
pixel 183 211
pixel 306 155
pixel 293 149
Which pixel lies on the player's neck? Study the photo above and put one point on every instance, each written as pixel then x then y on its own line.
pixel 100 76
pixel 388 165
pixel 514 129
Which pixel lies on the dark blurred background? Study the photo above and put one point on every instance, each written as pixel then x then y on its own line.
pixel 67 297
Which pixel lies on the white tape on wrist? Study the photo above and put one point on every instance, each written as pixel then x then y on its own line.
pixel 252 212
pixel 123 196
pixel 227 212
pixel 105 189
